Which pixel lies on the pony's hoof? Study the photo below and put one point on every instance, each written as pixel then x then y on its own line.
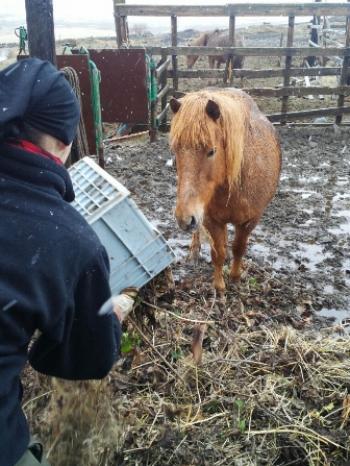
pixel 235 277
pixel 194 257
pixel 221 296
pixel 220 286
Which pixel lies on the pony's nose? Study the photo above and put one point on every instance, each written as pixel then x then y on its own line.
pixel 193 223
pixel 188 224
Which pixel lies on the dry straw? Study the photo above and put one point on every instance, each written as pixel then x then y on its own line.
pixel 261 396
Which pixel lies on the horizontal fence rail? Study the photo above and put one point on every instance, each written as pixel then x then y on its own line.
pixel 237 9
pixel 298 91
pixel 308 113
pixel 317 52
pixel 255 74
pixel 251 51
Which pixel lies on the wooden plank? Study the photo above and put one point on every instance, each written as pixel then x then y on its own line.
pixel 238 9
pixel 174 44
pixel 344 73
pixel 249 51
pixel 297 91
pixel 288 9
pixel 170 10
pixel 118 27
pixel 230 61
pixel 289 91
pixel 127 138
pixel 41 30
pixel 309 113
pixel 121 27
pixel 269 73
pixel 281 45
pixel 286 79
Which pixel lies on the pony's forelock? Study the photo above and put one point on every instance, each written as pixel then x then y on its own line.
pixel 193 129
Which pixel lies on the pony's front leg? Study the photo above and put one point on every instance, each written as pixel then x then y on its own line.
pixel 195 247
pixel 218 234
pixel 240 246
pixel 211 61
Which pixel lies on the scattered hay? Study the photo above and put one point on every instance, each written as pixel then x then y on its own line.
pixel 261 396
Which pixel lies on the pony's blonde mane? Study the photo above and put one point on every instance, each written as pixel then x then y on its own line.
pixel 192 128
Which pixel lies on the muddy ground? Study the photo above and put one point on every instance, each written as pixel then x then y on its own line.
pixel 298 261
pixel 272 387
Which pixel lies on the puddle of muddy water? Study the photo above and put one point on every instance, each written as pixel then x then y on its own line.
pixel 290 254
pixel 305 193
pixel 312 254
pixel 309 179
pixel 263 253
pixel 339 316
pixel 180 246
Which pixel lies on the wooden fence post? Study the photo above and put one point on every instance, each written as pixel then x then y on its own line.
pixel 41 31
pixel 290 37
pixel 174 57
pixel 345 70
pixel 122 30
pixel 230 60
pixel 281 45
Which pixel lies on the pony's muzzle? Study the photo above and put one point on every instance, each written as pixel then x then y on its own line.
pixel 188 223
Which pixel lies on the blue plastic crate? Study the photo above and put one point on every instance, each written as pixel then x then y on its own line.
pixel 136 249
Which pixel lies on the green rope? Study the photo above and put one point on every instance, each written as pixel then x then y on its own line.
pixel 96 102
pixel 152 83
pixel 21 33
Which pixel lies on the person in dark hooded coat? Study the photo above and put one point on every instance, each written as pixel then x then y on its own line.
pixel 54 272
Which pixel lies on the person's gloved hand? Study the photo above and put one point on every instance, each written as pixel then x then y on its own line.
pixel 121 305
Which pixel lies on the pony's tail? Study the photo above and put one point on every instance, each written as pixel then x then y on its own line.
pixel 205 38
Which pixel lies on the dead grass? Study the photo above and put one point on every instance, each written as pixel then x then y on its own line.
pixel 263 395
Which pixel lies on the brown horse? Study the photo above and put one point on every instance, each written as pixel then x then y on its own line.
pixel 216 38
pixel 228 161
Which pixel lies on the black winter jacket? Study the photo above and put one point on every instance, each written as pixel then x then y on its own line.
pixel 54 277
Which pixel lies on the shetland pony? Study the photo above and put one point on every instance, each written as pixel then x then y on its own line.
pixel 228 161
pixel 216 39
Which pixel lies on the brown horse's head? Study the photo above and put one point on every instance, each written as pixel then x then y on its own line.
pixel 206 135
pixel 200 41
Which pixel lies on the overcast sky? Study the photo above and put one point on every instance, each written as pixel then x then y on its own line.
pixel 84 9
pixel 101 11
pixel 97 9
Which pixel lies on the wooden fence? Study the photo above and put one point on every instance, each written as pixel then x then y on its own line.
pixel 167 67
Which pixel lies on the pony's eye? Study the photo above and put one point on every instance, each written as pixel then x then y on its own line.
pixel 211 152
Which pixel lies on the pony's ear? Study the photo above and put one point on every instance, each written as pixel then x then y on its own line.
pixel 174 105
pixel 212 109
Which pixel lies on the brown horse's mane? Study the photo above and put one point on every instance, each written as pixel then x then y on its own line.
pixel 204 37
pixel 192 128
pixel 201 40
